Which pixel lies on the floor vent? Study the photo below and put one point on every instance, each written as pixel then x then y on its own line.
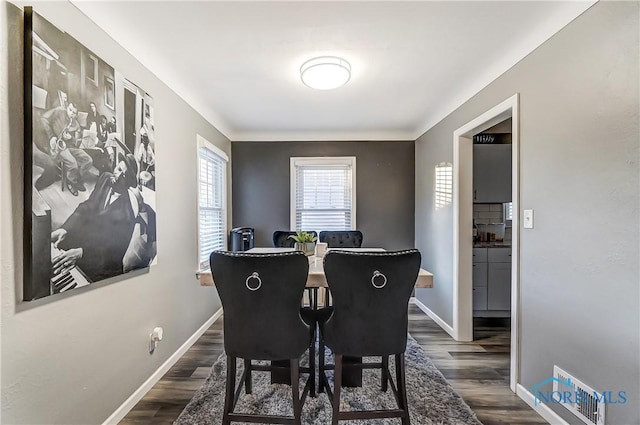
pixel 582 401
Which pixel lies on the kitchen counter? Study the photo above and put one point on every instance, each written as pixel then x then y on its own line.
pixel 492 245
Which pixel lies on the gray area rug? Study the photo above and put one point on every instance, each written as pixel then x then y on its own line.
pixel 431 399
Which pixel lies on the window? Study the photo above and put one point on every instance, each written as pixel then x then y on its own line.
pixel 323 193
pixel 443 192
pixel 212 201
pixel 508 211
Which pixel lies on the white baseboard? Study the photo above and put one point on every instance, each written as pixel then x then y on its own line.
pixel 138 394
pixel 448 329
pixel 544 410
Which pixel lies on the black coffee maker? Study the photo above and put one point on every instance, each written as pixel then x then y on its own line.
pixel 241 238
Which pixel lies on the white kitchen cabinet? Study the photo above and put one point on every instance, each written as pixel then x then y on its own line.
pixel 491 281
pixel 479 276
pixel 499 255
pixel 491 173
pixel 479 255
pixel 499 286
pixel 479 298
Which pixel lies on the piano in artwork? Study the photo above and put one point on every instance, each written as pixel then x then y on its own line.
pixel 44 281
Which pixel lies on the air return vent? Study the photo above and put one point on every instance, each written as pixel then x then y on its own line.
pixel 582 401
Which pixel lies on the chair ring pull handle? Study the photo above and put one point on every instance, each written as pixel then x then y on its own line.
pixel 373 282
pixel 256 276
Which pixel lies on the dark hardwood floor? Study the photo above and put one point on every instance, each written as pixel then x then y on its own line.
pixel 478 370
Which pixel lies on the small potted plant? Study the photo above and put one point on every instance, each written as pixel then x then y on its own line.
pixel 305 242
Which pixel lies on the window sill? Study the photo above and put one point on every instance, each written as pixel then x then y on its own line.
pixel 204 277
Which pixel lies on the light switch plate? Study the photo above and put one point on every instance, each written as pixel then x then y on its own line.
pixel 527 218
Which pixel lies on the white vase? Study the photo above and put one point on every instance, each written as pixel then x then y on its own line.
pixel 307 247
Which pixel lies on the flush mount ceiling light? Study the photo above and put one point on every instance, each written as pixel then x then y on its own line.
pixel 325 73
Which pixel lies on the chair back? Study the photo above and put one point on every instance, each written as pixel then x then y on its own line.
pixel 281 238
pixel 342 239
pixel 370 292
pixel 261 295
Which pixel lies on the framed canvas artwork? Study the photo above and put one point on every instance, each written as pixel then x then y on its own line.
pixel 90 191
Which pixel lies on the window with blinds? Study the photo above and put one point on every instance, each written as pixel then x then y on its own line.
pixel 508 211
pixel 443 191
pixel 323 193
pixel 212 227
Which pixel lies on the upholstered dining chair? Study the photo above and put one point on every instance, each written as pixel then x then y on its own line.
pixel 342 238
pixel 371 292
pixel 260 295
pixel 281 239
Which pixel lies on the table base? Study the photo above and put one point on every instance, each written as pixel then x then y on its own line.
pixel 351 376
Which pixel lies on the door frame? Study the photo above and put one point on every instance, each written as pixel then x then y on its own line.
pixel 463 215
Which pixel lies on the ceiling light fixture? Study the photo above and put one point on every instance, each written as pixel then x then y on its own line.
pixel 325 72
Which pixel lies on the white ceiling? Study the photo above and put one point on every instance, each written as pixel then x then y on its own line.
pixel 238 62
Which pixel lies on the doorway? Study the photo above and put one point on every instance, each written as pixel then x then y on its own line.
pixel 462 231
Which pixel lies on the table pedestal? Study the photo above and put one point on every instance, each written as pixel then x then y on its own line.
pixel 281 376
pixel 351 376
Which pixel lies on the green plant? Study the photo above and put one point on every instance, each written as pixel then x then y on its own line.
pixel 303 237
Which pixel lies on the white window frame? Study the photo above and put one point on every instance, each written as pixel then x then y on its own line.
pixel 443 185
pixel 507 208
pixel 321 160
pixel 204 143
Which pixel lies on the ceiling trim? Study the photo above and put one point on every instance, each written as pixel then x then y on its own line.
pixel 322 136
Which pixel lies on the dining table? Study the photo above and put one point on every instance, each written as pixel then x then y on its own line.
pixel 316 277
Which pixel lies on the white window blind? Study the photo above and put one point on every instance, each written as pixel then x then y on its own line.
pixel 323 193
pixel 508 211
pixel 443 192
pixel 212 228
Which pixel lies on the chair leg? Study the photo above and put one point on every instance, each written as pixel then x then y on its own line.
pixel 402 388
pixel 312 363
pixel 385 377
pixel 321 377
pixel 327 297
pixel 295 380
pixel 314 292
pixel 248 385
pixel 337 385
pixel 230 390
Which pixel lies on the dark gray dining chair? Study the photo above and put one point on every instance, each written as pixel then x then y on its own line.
pixel 260 295
pixel 282 239
pixel 341 238
pixel 369 317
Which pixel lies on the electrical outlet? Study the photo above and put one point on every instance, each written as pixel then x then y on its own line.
pixel 154 338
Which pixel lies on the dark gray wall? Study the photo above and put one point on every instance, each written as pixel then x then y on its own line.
pixel 579 151
pixel 384 187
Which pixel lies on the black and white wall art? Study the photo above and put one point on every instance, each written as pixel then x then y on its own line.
pixel 90 186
